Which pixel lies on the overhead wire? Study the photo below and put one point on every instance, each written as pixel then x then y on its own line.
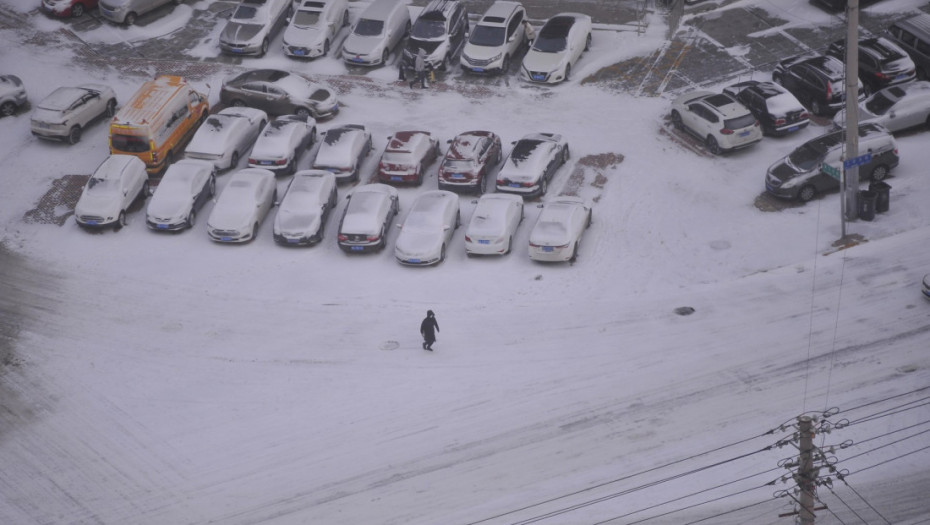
pixel 856 492
pixel 889 398
pixel 847 506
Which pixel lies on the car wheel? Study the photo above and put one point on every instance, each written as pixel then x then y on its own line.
pixel 587 42
pixel 712 145
pixel 568 72
pixel 234 160
pixel 505 66
pixel 191 219
pixel 806 193
pixel 676 120
pixel 574 256
pixel 544 185
pixel 587 223
pixel 384 56
pixel 111 108
pixel 238 102
pixel 144 192
pixel 817 108
pixel 928 122
pixel 77 10
pixel 303 113
pixel 74 135
pixel 264 48
pixel 291 166
pixel 509 245
pixel 565 154
pixel 407 28
pixel 7 109
pixel 345 18
pixel 169 160
pixel 776 78
pixel 212 186
pixel 326 47
pixel 383 242
pixel 120 221
pixel 442 253
pixel 312 137
pixel 879 172
pixel 445 64
pixel 130 19
pixel 254 231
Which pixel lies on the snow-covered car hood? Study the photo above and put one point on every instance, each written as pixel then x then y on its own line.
pixel 363 45
pixel 103 203
pixel 304 36
pixel 234 210
pixel 419 242
pixel 482 52
pixel 171 200
pixel 544 62
pixel 237 32
pixel 276 143
pixel 299 218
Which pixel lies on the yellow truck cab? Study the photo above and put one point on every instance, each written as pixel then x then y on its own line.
pixel 158 121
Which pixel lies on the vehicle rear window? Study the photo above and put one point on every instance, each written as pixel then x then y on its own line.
pixel 129 143
pixel 368 27
pixel 740 122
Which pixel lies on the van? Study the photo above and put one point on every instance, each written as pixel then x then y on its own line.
pixel 379 29
pixel 158 121
pixel 913 34
pixel 801 174
pixel 127 11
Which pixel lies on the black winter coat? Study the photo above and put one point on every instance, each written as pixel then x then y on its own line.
pixel 428 329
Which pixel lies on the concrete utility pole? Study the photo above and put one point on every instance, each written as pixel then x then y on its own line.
pixel 850 185
pixel 806 472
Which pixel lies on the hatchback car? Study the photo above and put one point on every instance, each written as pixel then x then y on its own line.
pixel 881 62
pixel 777 110
pixel 532 163
pixel 469 160
pixel 252 26
pixel 495 39
pixel 380 28
pixel 282 142
pixel 367 218
pixel 12 95
pixel 440 31
pixel 242 206
pixel 557 48
pixel 406 157
pixel 279 93
pixel 897 108
pixel 800 174
pixel 184 188
pixel 65 113
pixel 817 81
pixel 493 224
pixel 305 208
pixel 427 230
pixel 115 185
pixel 718 119
pixel 224 137
pixel 557 233
pixel 314 26
pixel 67 8
pixel 342 151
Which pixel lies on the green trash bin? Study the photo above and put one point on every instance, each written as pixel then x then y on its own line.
pixel 867 205
pixel 882 195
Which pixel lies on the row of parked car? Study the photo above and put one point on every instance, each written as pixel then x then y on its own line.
pixel 310 200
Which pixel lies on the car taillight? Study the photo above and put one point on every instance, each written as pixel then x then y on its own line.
pixel 500 182
pixel 467 239
pixel 756 123
pixel 829 91
pixel 252 161
pixel 372 238
pixel 780 122
pixel 882 76
pixel 726 131
pixel 534 245
pixel 528 184
pixel 342 237
pixel 805 115
pixel 280 162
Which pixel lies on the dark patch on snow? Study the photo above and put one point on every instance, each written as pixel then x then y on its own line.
pixel 684 310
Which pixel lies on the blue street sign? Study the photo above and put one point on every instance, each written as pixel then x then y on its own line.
pixel 857 161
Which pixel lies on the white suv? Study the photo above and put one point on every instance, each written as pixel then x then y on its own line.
pixel 716 118
pixel 495 39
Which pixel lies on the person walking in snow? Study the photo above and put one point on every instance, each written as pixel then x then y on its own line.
pixel 428 329
pixel 419 66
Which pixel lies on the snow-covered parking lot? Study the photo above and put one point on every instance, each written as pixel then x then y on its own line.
pixel 153 379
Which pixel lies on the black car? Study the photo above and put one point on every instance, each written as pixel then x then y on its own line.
pixel 777 110
pixel 817 81
pixel 440 31
pixel 882 63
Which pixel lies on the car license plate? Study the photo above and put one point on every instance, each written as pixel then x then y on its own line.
pixel 902 76
pixel 457 176
pixel 395 178
pixel 225 239
pixel 514 184
pixel 356 59
pixel 793 128
pixel 478 69
pixel 265 163
pixel 236 49
pixel 548 248
pixel 161 226
pixel 744 133
pixel 300 52
pixel 93 223
pixel 539 77
pixel 484 241
pixel 414 261
pixel 357 248
pixel 293 241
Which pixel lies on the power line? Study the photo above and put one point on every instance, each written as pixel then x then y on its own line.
pixel 890 412
pixel 729 512
pixel 890 460
pixel 886 399
pixel 888 445
pixel 695 504
pixel 866 502
pixel 847 506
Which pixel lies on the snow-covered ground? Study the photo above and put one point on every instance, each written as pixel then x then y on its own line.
pixel 162 379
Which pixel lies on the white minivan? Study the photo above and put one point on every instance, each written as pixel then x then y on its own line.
pixel 379 29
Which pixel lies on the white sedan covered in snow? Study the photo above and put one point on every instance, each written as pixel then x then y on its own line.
pixel 281 142
pixel 185 187
pixel 428 228
pixel 313 27
pixel 305 208
pixel 65 113
pixel 558 231
pixel 224 137
pixel 532 163
pixel 493 224
pixel 242 206
pixel 557 48
pixel 899 107
pixel 342 150
pixel 366 218
pixel 118 182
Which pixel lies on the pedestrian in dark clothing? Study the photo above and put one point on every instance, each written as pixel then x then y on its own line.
pixel 428 329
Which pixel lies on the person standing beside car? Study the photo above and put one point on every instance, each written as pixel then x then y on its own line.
pixel 428 329
pixel 419 65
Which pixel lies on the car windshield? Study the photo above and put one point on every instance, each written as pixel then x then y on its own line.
pixel 487 36
pixel 806 157
pixel 129 143
pixel 880 103
pixel 368 27
pixel 545 44
pixel 428 29
pixel 306 18
pixel 740 122
pixel 244 12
